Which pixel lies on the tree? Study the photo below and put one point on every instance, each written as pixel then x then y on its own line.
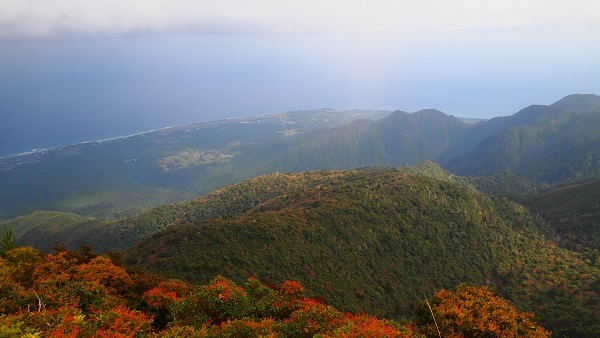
pixel 474 312
pixel 8 241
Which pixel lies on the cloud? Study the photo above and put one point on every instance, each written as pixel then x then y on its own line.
pixel 33 18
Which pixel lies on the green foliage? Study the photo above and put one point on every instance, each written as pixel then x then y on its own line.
pixel 573 212
pixel 398 139
pixel 556 144
pixel 8 241
pixel 499 183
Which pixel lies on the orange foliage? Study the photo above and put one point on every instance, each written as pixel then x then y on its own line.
pixel 367 326
pixel 60 295
pixel 476 312
pixel 167 292
pixel 291 288
pixel 102 271
pixel 224 289
pixel 70 294
pixel 120 322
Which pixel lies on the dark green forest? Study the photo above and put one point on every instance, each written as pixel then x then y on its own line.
pixel 392 238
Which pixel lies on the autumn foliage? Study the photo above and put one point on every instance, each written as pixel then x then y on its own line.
pixel 57 295
pixel 475 312
pixel 80 294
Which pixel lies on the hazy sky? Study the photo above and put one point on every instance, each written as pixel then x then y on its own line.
pixel 76 70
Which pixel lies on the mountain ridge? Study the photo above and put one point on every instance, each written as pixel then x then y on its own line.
pixel 579 102
pixel 547 143
pixel 34 229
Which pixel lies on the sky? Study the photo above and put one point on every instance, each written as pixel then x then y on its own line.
pixel 73 71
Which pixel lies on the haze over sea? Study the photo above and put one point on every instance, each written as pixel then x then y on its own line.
pixel 76 72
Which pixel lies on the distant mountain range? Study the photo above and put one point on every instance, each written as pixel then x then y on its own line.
pixel 553 144
pixel 557 144
pixel 546 145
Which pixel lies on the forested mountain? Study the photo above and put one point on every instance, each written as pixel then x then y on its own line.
pixel 390 236
pixel 556 144
pixel 399 139
pixel 587 103
pixel 112 235
pixel 574 214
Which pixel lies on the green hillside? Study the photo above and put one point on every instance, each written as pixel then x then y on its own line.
pixel 499 183
pixel 228 202
pixel 557 144
pixel 588 103
pixel 399 139
pixel 574 213
pixel 41 229
pixel 544 145
pixel 378 240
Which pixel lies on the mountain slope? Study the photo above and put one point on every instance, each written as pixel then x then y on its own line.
pixel 580 102
pixel 557 144
pixel 42 229
pixel 399 139
pixel 389 237
pixel 40 226
pixel 228 202
pixel 499 183
pixel 574 213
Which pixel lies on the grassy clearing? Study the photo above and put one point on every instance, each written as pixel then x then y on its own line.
pixel 190 158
